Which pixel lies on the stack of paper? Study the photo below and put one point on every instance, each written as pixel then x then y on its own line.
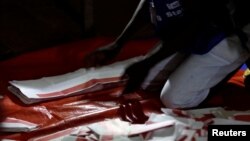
pixel 78 82
pixel 16 125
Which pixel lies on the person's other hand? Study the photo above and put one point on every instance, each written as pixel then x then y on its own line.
pixel 102 55
pixel 135 75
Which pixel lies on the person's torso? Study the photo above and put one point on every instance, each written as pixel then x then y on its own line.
pixel 170 18
pixel 164 11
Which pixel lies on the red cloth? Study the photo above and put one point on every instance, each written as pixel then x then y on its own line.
pixel 68 112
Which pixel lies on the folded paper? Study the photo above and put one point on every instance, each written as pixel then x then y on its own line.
pixel 16 125
pixel 74 83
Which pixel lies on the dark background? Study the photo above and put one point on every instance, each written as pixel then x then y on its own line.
pixel 28 25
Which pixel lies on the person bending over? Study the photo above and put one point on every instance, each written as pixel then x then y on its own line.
pixel 202 41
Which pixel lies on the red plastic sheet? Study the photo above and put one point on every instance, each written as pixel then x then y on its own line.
pixel 68 112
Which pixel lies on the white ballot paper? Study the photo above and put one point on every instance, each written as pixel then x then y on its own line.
pixel 16 125
pixel 78 82
pixel 171 125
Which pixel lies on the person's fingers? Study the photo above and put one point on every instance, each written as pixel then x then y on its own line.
pixel 132 111
pixel 124 113
pixel 138 112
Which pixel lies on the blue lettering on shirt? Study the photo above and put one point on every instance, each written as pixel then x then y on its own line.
pixel 163 12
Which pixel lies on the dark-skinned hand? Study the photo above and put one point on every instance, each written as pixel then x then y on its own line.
pixel 101 56
pixel 135 75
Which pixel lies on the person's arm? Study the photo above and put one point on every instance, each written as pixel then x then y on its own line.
pixel 137 72
pixel 132 26
pixel 104 54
